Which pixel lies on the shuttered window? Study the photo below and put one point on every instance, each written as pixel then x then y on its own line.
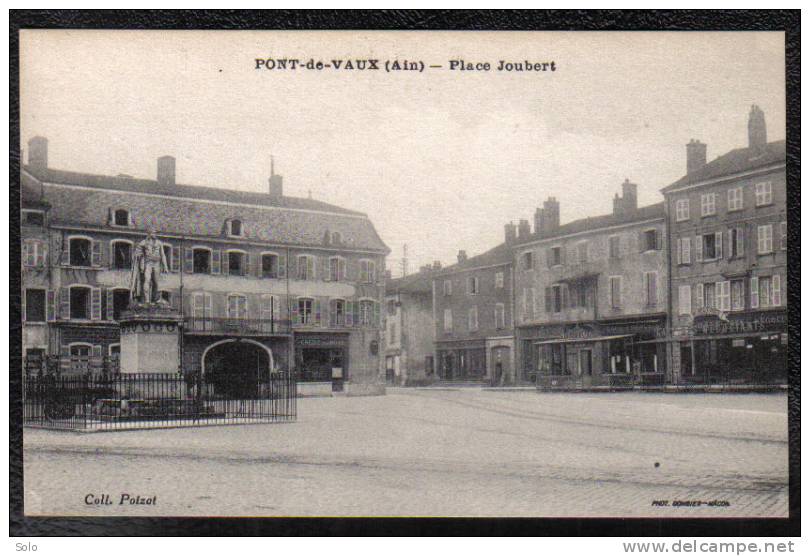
pixel 685 300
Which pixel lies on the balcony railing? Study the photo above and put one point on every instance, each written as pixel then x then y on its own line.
pixel 237 327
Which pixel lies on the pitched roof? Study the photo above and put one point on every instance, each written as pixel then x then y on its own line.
pixel 201 211
pixel 419 282
pixel 734 162
pixel 641 214
pixel 500 254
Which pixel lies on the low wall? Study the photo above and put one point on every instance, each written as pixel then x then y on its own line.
pixel 314 389
pixel 364 389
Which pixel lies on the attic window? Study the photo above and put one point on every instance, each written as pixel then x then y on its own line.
pixel 336 238
pixel 121 217
pixel 34 218
pixel 235 227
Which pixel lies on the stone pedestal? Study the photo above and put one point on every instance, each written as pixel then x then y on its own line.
pixel 150 339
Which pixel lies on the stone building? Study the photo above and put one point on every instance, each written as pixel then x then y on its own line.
pixel 472 307
pixel 591 296
pixel 408 328
pixel 728 238
pixel 260 279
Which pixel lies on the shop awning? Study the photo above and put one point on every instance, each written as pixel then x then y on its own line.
pixel 582 340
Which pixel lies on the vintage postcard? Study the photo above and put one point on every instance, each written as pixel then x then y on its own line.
pixel 377 273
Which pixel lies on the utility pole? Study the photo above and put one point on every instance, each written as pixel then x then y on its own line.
pixel 404 262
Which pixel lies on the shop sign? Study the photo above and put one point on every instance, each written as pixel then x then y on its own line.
pixel 732 324
pixel 320 341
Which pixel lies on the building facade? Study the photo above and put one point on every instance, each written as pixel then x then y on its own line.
pixel 473 312
pixel 591 296
pixel 728 239
pixel 408 328
pixel 260 279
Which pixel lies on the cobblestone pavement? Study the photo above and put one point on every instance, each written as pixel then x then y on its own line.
pixel 438 452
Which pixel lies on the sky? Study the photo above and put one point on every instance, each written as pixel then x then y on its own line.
pixel 441 159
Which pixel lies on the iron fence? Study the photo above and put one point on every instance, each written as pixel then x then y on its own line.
pixel 143 401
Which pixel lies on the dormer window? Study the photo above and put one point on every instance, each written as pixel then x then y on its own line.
pixel 235 227
pixel 336 238
pixel 121 217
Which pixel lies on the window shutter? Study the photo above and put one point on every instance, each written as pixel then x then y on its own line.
pixel 25 247
pixel 548 300
pixel 188 260
pixel 324 264
pixel 699 248
pixel 175 259
pixel 282 266
pixel 226 267
pixel 549 258
pixel 687 253
pixel 730 243
pixel 341 269
pixel 563 254
pixel 679 254
pixel 349 316
pixel 95 303
pixel 754 292
pixel 50 306
pixel 376 323
pixel 96 350
pixel 565 296
pixel 357 313
pixel 659 240
pixel 65 252
pixel 296 314
pixel 216 262
pixel 699 295
pixel 110 304
pixel 249 270
pixel 653 279
pixel 725 295
pixel 776 290
pixel 685 299
pixel 741 241
pixel 64 303
pixel 95 259
pixel 316 308
pixel 209 305
pixel 718 245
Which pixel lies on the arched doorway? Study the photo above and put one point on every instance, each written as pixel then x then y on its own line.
pixel 236 368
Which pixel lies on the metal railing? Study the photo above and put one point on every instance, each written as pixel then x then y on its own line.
pixel 237 326
pixel 144 401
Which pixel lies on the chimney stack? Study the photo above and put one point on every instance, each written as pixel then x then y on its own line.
pixel 629 195
pixel 524 230
pixel 275 181
pixel 38 152
pixel 551 215
pixel 510 233
pixel 462 256
pixel 165 170
pixel 437 265
pixel 757 133
pixel 695 155
pixel 538 220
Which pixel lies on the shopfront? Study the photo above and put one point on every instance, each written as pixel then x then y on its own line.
pixel 735 348
pixel 322 358
pixel 595 354
pixel 465 361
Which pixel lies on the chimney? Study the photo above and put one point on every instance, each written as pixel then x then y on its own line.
pixel 437 265
pixel 38 152
pixel 618 207
pixel 551 215
pixel 510 233
pixel 165 170
pixel 524 231
pixel 275 181
pixel 695 155
pixel 757 133
pixel 629 195
pixel 462 256
pixel 538 220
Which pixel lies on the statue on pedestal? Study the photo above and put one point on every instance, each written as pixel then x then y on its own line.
pixel 148 263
